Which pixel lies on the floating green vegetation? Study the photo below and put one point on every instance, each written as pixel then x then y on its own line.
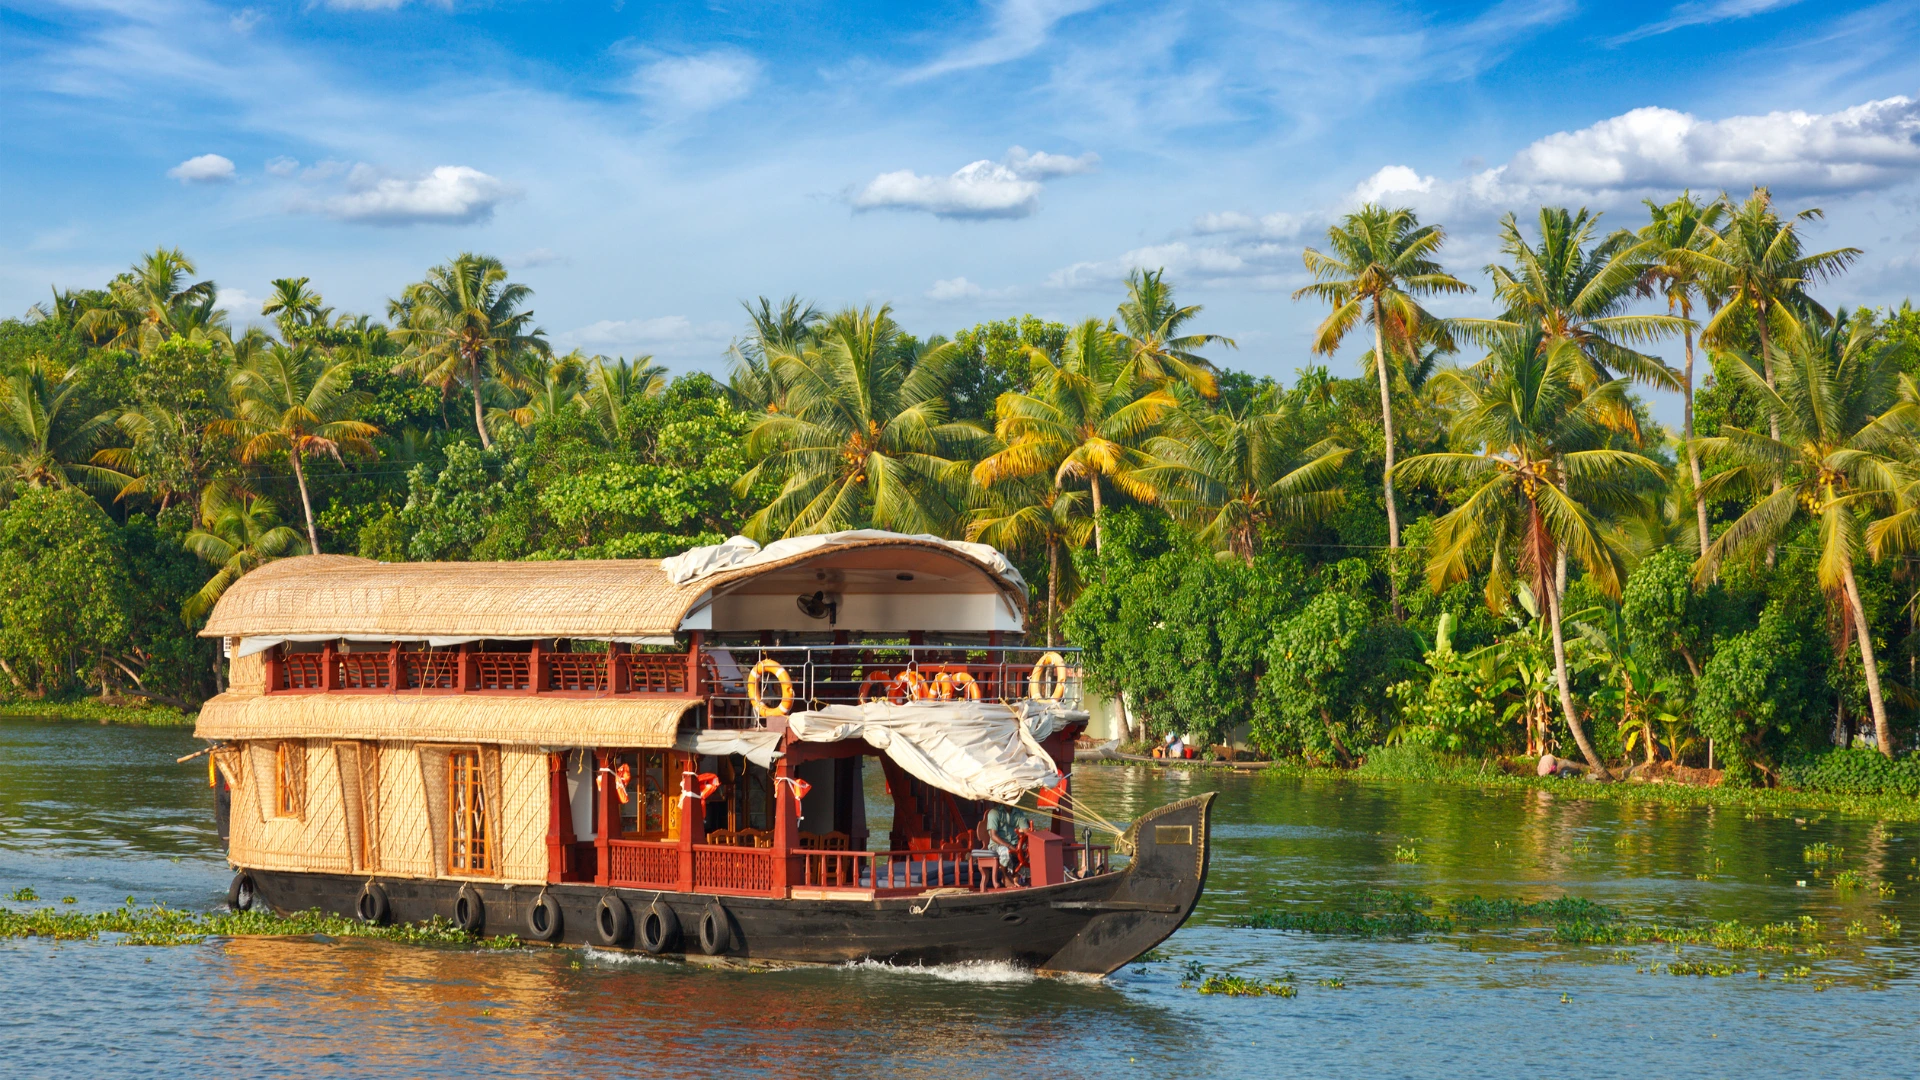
pixel 1236 986
pixel 1849 880
pixel 89 709
pixel 23 895
pixel 162 925
pixel 1367 913
pixel 1701 969
pixel 1406 853
pixel 1822 853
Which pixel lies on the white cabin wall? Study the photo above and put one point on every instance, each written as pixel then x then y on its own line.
pixel 972 613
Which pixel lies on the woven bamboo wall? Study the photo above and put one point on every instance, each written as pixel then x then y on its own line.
pixel 407 813
pixel 247 675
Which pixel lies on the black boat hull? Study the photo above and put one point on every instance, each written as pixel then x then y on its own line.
pixel 1090 926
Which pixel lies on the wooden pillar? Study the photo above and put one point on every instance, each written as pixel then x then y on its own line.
pixel 275 667
pixel 465 670
pixel 695 640
pixel 617 672
pixel 606 804
pixel 329 675
pixel 559 819
pixel 536 669
pixel 395 674
pixel 786 829
pixel 693 817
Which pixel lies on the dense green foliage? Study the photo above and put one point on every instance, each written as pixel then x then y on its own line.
pixel 1478 544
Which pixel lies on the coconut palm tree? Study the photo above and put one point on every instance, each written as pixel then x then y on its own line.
pixel 1533 462
pixel 1571 287
pixel 293 400
pixel 297 307
pixel 239 532
pixel 550 389
pixel 465 323
pixel 783 329
pixel 612 384
pixel 44 440
pixel 146 304
pixel 1756 263
pixel 1151 329
pixel 863 437
pixel 1087 419
pixel 1683 225
pixel 1035 511
pixel 1846 418
pixel 1382 260
pixel 1235 472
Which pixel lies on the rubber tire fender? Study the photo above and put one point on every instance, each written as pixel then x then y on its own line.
pixel 241 893
pixel 469 912
pixel 659 929
pixel 544 918
pixel 716 929
pixel 612 922
pixel 373 907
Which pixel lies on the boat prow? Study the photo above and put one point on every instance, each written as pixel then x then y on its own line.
pixel 1155 894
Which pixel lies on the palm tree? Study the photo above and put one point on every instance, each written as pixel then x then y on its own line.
pixel 298 307
pixel 1035 511
pixel 1758 266
pixel 863 437
pixel 754 384
pixel 1382 261
pixel 1088 417
pixel 464 323
pixel 1236 472
pixel 1845 438
pixel 293 400
pixel 1533 430
pixel 145 305
pixel 1683 225
pixel 43 441
pixel 612 384
pixel 551 389
pixel 239 532
pixel 1570 288
pixel 1150 325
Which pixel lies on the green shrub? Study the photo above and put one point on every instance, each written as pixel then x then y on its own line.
pixel 1855 771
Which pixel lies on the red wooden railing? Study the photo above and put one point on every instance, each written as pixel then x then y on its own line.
pixel 436 670
pixel 644 864
pixel 301 671
pixel 576 671
pixel 502 670
pixel 896 872
pixel 732 869
pixel 362 671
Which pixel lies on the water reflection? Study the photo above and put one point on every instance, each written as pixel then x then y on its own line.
pixel 104 812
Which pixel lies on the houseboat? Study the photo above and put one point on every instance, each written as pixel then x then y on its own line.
pixel 671 756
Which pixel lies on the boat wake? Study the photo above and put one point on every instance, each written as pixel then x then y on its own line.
pixel 971 971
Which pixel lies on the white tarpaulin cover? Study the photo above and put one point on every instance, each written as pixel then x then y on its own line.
pixel 700 562
pixel 759 747
pixel 975 749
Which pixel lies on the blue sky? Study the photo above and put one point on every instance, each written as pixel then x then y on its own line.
pixel 645 166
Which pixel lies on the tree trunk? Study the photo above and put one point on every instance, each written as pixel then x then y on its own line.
pixel 1053 588
pixel 1566 691
pixel 1773 421
pixel 1096 512
pixel 479 417
pixel 1693 456
pixel 1386 428
pixel 306 504
pixel 1882 734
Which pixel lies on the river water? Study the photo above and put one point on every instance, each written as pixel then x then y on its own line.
pixel 103 813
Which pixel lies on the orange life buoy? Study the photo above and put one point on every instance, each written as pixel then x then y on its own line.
pixel 771 667
pixel 909 685
pixel 1038 688
pixel 967 684
pixel 874 678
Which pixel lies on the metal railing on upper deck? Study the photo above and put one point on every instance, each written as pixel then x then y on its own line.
pixel 852 674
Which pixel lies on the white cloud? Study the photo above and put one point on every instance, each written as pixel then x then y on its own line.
pixel 450 194
pixel 1701 14
pixel 282 166
pixel 1009 188
pixel 369 5
pixel 238 303
pixel 205 169
pixel 1177 258
pixel 244 20
pixel 695 84
pixel 1019 27
pixel 671 334
pixel 1275 226
pixel 958 288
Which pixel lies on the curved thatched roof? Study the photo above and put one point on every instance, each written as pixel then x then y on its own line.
pixel 339 595
pixel 627 720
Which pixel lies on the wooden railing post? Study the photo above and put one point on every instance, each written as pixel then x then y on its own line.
pixel 395 673
pixel 536 669
pixel 463 675
pixel 786 829
pixel 329 673
pixel 618 679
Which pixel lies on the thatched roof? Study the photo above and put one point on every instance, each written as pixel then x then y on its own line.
pixel 338 595
pixel 631 720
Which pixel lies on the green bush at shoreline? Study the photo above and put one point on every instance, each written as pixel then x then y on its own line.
pixel 100 711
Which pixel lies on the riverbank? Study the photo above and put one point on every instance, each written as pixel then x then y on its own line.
pixel 1394 765
pixel 98 711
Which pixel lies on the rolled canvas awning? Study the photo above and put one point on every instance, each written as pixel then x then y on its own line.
pixel 628 721
pixel 974 749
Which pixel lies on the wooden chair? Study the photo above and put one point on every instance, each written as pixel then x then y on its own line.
pixel 759 838
pixel 724 838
